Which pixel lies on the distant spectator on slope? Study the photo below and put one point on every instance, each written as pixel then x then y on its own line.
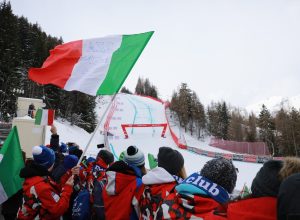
pixel 124 186
pixel 288 206
pixel 31 110
pixel 202 192
pixel 161 180
pixel 43 198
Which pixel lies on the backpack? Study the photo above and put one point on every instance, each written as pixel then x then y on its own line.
pixel 81 205
pixel 149 204
pixel 98 203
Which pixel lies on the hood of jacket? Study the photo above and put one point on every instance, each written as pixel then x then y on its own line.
pixel 196 204
pixel 120 176
pixel 158 175
pixel 32 169
pixel 33 174
pixel 263 208
pixel 186 206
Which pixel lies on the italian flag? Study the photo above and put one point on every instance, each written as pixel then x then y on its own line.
pixel 11 162
pixel 94 66
pixel 44 117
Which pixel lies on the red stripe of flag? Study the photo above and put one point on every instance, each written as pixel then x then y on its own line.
pixel 58 67
pixel 50 116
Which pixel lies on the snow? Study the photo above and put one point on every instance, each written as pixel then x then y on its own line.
pixel 274 104
pixel 26 117
pixel 189 140
pixel 139 110
pixel 203 144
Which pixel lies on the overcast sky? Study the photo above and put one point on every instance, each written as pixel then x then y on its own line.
pixel 238 51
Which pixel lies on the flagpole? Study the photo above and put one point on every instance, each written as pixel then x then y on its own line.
pixel 98 125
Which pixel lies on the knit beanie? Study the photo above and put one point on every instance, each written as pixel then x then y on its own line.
pixel 63 147
pixel 222 172
pixel 106 156
pixel 43 156
pixel 74 150
pixel 70 161
pixel 267 181
pixel 90 160
pixel 169 159
pixel 134 156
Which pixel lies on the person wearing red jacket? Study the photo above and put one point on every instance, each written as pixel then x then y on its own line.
pixel 42 197
pixel 200 193
pixel 261 203
pixel 96 170
pixel 160 181
pixel 124 186
pixel 264 190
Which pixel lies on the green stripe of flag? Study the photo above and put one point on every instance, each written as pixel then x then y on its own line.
pixel 123 61
pixel 11 162
pixel 38 116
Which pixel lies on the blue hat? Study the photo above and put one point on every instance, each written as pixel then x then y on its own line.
pixel 70 161
pixel 134 156
pixel 73 148
pixel 43 156
pixel 63 147
pixel 90 160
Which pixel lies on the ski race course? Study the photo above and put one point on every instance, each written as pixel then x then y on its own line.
pixel 146 114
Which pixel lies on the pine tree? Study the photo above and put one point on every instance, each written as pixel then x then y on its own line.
pixel 295 130
pixel 24 45
pixel 224 121
pixel 139 89
pixel 147 87
pixel 198 115
pixel 235 130
pixel 251 128
pixel 266 125
pixel 153 92
pixel 184 99
pixel 218 120
pixel 125 90
pixel 213 120
pixel 9 60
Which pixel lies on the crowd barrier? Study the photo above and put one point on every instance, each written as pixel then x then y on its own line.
pixel 254 148
pixel 110 114
pixel 237 157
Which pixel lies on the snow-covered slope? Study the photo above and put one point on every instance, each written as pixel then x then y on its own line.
pixel 132 109
pixel 275 103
